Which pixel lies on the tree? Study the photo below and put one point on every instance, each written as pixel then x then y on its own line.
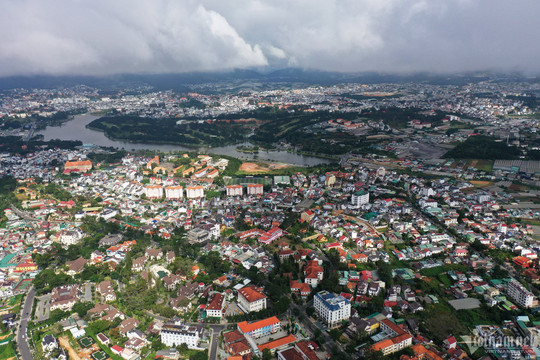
pixel 199 355
pixel 371 354
pixel 335 334
pixel 266 354
pixel 100 326
pixel 57 315
pixel 82 308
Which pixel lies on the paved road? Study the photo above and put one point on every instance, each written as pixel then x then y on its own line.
pixel 87 293
pixel 214 342
pixel 313 325
pixel 22 340
pixel 22 214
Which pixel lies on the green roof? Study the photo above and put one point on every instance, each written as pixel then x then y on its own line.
pixel 5 261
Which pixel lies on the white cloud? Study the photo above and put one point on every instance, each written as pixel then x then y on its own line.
pixel 133 36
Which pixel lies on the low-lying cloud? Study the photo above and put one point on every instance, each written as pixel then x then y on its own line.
pixel 102 37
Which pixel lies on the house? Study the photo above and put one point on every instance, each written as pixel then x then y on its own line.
pixel 189 290
pixel 103 339
pixel 64 297
pixel 216 305
pixel 171 281
pixel 76 266
pixel 128 325
pixel 138 264
pixel 181 304
pixel 302 289
pixel 154 254
pixel 168 354
pixel 106 290
pixel 169 258
pixel 49 343
pixel 313 273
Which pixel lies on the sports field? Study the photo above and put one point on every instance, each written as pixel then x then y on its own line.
pixel 86 342
pixel 99 355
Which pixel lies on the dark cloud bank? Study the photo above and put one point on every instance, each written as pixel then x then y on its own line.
pixel 103 37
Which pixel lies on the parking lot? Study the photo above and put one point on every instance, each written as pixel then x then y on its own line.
pixel 233 309
pixel 42 308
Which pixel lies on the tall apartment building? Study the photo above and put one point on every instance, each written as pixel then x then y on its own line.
pixel 333 309
pixel 520 295
pixel 255 189
pixel 174 192
pixel 234 190
pixel 153 191
pixel 360 198
pixel 194 192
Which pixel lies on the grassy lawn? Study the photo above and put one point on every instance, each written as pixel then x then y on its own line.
pixel 445 279
pixel 6 351
pixel 534 222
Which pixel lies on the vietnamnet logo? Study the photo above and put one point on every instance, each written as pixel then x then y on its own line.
pixel 498 342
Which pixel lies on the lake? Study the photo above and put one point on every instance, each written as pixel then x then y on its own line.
pixel 76 129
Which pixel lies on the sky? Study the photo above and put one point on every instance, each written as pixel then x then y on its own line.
pixel 102 37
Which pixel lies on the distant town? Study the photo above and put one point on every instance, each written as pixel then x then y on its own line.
pixel 415 237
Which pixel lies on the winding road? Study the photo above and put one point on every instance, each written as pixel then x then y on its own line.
pixel 22 338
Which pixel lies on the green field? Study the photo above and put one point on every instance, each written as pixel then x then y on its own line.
pixel 7 351
pixel 480 164
pixel 86 342
pixel 99 355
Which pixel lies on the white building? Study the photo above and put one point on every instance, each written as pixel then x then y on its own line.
pixel 234 190
pixel 520 295
pixel 70 237
pixel 331 308
pixel 360 198
pixel 255 189
pixel 216 306
pixel 194 192
pixel 251 300
pixel 174 192
pixel 153 191
pixel 175 333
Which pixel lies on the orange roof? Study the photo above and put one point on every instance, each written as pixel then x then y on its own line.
pixel 251 294
pixel 420 350
pixel 245 327
pixel 394 327
pixel 194 187
pixel 382 344
pixel 78 163
pixel 400 338
pixel 277 343
pixel 255 185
